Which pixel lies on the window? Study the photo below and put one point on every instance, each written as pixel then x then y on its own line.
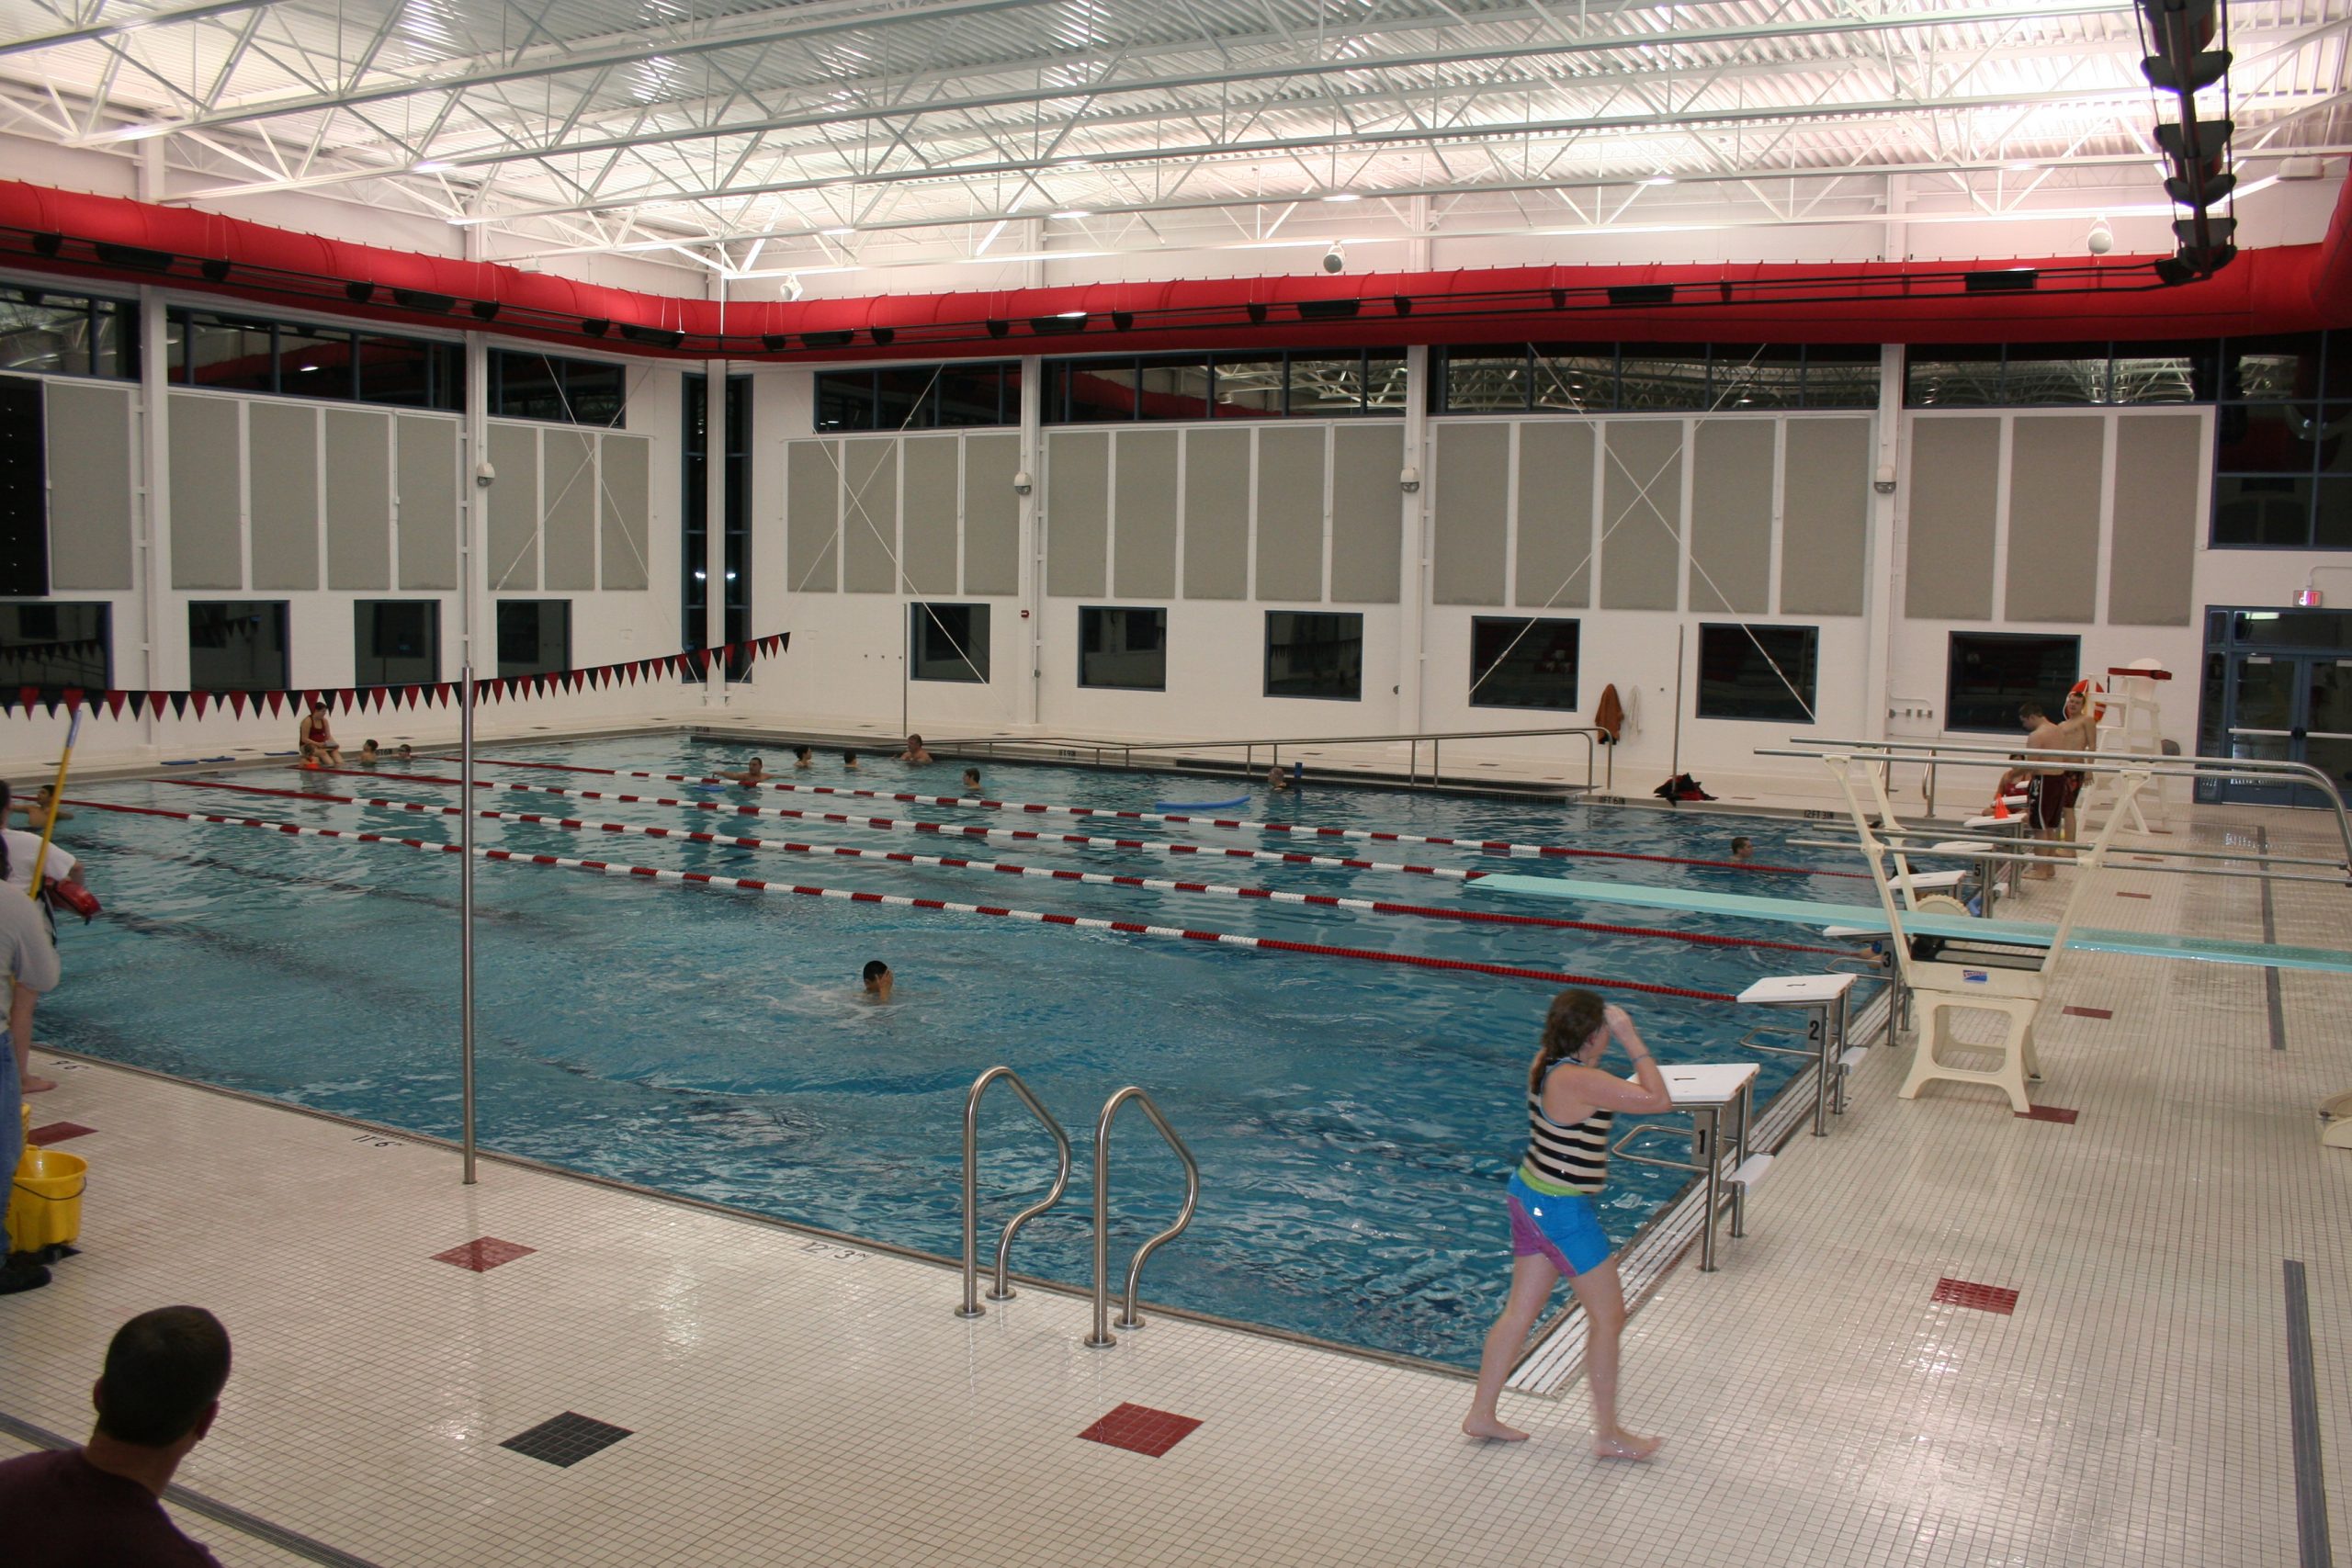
pixel 53 645
pixel 1516 662
pixel 45 333
pixel 1124 649
pixel 948 642
pixel 24 488
pixel 1989 673
pixel 2282 443
pixel 237 644
pixel 920 397
pixel 534 636
pixel 1654 377
pixel 1311 383
pixel 297 359
pixel 1314 655
pixel 566 391
pixel 2023 374
pixel 396 642
pixel 695 567
pixel 1759 672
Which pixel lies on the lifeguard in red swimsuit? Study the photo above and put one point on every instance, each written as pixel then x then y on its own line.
pixel 316 739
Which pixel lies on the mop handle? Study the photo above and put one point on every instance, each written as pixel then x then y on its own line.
pixel 56 795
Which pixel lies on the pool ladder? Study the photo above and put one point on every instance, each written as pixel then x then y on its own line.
pixel 1101 1337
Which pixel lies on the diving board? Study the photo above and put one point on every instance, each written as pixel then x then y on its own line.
pixel 1870 917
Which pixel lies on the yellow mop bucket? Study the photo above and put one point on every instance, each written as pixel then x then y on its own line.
pixel 45 1198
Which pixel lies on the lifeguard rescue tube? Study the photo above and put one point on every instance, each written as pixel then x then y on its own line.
pixel 1200 804
pixel 2092 696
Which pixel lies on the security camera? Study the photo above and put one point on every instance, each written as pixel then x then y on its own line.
pixel 1334 260
pixel 1022 483
pixel 484 475
pixel 793 288
pixel 2101 240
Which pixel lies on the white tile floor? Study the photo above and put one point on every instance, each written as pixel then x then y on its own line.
pixel 791 1401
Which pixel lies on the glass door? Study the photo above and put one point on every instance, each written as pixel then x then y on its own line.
pixel 2278 688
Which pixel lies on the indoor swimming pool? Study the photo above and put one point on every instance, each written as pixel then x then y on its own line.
pixel 1354 1120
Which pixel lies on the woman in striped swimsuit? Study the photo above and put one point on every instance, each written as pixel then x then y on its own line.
pixel 1554 1229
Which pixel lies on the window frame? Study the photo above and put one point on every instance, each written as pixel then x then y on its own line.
pixel 1354 695
pixel 1809 699
pixel 2009 721
pixel 285 619
pixel 499 635
pixel 1084 650
pixel 971 656
pixel 444 365
pixel 1530 623
pixel 432 655
pixel 104 638
pixel 561 367
pixel 94 309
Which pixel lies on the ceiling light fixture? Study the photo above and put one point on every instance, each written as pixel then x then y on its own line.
pixel 1070 214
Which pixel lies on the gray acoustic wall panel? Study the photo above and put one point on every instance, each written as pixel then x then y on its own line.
pixel 934 470
pixel 1731 517
pixel 512 528
pixel 1367 514
pixel 1217 514
pixel 1640 514
pixel 90 462
pixel 1078 513
pixel 813 517
pixel 567 482
pixel 1554 515
pixel 207 492
pixel 427 469
pixel 1947 553
pixel 870 516
pixel 1144 555
pixel 991 515
pixel 360 499
pixel 2159 507
pixel 2056 463
pixel 623 507
pixel 1824 516
pixel 1469 521
pixel 1290 513
pixel 282 493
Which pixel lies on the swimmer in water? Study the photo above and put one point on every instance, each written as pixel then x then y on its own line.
pixel 37 811
pixel 404 754
pixel 751 775
pixel 849 761
pixel 877 979
pixel 314 738
pixel 914 751
pixel 971 781
pixel 369 754
pixel 1277 779
pixel 1743 849
pixel 803 757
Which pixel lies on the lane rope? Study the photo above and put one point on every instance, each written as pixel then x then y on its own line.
pixel 1362 835
pixel 1011 868
pixel 950 829
pixel 901 901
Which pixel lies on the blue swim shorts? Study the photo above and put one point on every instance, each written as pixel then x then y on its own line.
pixel 1565 1229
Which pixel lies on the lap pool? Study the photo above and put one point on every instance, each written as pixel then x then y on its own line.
pixel 1354 1121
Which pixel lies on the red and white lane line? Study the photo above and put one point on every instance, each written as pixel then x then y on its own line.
pixel 1364 835
pixel 1011 868
pixel 893 900
pixel 950 829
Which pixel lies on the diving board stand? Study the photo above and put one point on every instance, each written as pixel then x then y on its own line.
pixel 1703 1091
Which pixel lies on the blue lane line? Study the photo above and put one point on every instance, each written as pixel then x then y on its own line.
pixel 1869 917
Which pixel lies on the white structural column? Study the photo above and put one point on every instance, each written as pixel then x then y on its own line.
pixel 154 566
pixel 1033 445
pixel 1883 552
pixel 715 562
pixel 1412 580
pixel 473 507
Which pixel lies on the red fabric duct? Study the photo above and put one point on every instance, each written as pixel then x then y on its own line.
pixel 2290 289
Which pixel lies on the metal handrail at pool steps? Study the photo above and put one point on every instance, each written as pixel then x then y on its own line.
pixel 1959 928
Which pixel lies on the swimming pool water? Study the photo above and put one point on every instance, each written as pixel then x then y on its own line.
pixel 1354 1121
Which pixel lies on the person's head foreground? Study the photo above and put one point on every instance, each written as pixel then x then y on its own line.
pixel 803 756
pixel 971 778
pixel 849 759
pixel 1576 1024
pixel 1742 849
pixel 877 977
pixel 162 1380
pixel 2030 715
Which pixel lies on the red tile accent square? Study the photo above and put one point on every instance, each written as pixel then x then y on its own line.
pixel 1984 1298
pixel 2135 895
pixel 485 1253
pixel 2057 1114
pixel 2087 1012
pixel 1141 1429
pixel 58 1132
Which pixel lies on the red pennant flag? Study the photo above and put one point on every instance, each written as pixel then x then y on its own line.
pixel 632 671
pixel 702 662
pixel 413 692
pixel 276 704
pixel 340 699
pixel 441 695
pixel 197 701
pixel 73 699
pixel 27 696
pixel 114 703
pixel 237 703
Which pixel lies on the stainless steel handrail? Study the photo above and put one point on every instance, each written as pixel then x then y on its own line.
pixel 1596 740
pixel 1003 1291
pixel 1972 756
pixel 1102 1337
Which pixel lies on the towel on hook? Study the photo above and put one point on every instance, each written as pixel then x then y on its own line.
pixel 1609 717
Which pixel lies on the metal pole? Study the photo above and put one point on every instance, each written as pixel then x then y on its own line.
pixel 466 912
pixel 1675 771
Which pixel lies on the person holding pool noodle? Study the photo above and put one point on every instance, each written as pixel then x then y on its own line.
pixel 1555 1230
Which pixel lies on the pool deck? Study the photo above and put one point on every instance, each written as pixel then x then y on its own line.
pixel 791 1400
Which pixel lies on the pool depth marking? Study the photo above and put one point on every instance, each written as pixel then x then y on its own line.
pixel 1307 829
pixel 950 830
pixel 1011 868
pixel 755 884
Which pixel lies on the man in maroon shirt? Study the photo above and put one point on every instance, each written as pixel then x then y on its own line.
pixel 100 1504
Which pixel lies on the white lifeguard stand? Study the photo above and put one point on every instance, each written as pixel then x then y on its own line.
pixel 2131 720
